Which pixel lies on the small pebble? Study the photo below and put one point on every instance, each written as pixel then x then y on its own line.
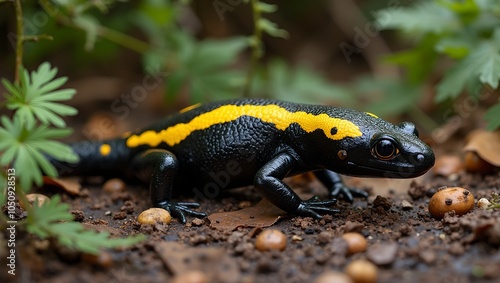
pixel 362 271
pixel 406 205
pixel 270 239
pixel 356 243
pixel 333 277
pixel 483 203
pixel 193 276
pixel 114 185
pixel 154 215
pixel 382 253
pixel 197 222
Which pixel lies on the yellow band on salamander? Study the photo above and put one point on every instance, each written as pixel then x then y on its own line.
pixel 274 114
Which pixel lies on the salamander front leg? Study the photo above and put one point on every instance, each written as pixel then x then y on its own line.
pixel 336 187
pixel 159 167
pixel 268 181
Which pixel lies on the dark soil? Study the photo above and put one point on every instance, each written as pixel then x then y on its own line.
pixel 404 241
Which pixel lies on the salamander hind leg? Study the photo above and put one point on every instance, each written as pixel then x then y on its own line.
pixel 159 167
pixel 268 181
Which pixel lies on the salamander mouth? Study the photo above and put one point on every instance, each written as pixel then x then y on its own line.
pixel 393 172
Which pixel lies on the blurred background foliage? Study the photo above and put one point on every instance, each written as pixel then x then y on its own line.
pixel 428 57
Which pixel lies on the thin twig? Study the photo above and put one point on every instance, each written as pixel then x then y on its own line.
pixel 256 44
pixel 19 39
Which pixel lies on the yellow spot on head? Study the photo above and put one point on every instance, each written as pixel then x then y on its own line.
pixel 371 114
pixel 273 114
pixel 105 149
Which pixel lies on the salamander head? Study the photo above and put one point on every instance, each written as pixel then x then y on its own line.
pixel 382 149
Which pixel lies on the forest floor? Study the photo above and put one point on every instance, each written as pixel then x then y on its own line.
pixel 404 241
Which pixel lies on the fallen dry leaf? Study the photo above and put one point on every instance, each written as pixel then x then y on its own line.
pixel 70 186
pixel 263 214
pixel 486 144
pixel 447 165
pixel 215 263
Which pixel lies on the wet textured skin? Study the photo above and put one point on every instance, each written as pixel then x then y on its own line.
pixel 223 145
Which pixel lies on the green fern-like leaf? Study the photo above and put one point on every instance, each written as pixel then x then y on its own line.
pixel 24 146
pixel 37 96
pixel 49 220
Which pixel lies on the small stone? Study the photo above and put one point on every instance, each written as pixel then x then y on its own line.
pixel 270 239
pixel 333 277
pixel 114 185
pixel 427 256
pixel 356 243
pixel 483 203
pixel 406 205
pixel 382 253
pixel 197 222
pixel 297 238
pixel 154 215
pixel 362 271
pixel 194 276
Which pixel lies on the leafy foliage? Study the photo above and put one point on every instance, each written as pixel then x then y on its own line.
pixel 465 31
pixel 52 219
pixel 25 146
pixel 24 143
pixel 202 67
pixel 36 95
pixel 297 84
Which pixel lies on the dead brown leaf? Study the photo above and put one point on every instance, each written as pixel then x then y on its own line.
pixel 486 144
pixel 263 214
pixel 69 185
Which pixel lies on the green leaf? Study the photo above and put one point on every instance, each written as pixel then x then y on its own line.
pixel 492 116
pixel 90 25
pixel 204 68
pixel 45 221
pixel 386 97
pixel 467 10
pixel 272 28
pixel 37 95
pixel 483 63
pixel 25 147
pixel 267 8
pixel 297 84
pixel 412 59
pixel 423 17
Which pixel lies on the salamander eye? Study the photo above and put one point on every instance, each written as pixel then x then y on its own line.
pixel 385 149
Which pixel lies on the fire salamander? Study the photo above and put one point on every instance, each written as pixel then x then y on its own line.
pixel 207 148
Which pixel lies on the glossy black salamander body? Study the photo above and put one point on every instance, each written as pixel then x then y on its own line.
pixel 216 146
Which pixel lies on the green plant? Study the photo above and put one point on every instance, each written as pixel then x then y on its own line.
pixel 465 32
pixel 52 219
pixel 28 138
pixel 495 201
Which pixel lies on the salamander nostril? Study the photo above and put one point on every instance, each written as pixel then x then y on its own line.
pixel 420 158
